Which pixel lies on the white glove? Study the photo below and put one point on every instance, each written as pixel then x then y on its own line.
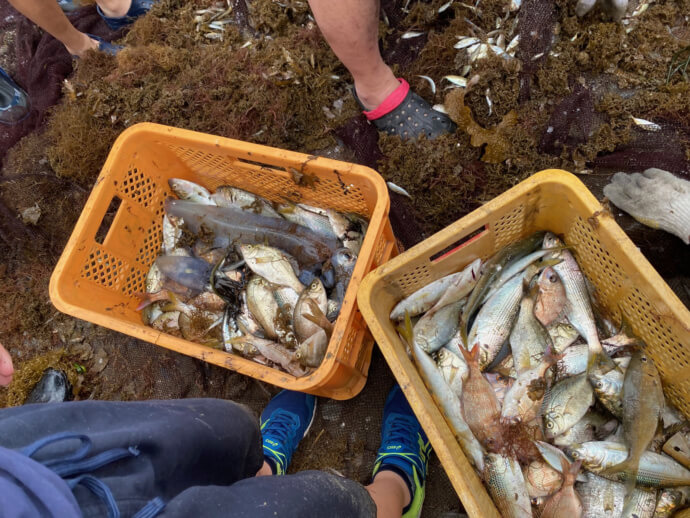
pixel 615 8
pixel 655 198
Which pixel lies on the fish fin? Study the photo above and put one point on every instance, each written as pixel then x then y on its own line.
pixel 173 304
pixel 472 355
pixel 146 299
pixel 405 330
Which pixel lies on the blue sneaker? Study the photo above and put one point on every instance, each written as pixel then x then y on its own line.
pixel 138 8
pixel 404 448
pixel 284 422
pixel 14 103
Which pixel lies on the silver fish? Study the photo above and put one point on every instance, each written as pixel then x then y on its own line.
pixel 262 304
pixel 601 498
pixel 350 229
pixel 271 264
pixel 562 335
pixel 529 338
pixel 311 351
pixel 592 427
pixel 446 399
pixel 426 297
pixel 154 279
pixel 512 269
pixel 432 332
pixel 309 217
pixel 642 504
pixel 554 457
pixel 495 320
pixel 507 487
pixel 609 389
pixel 460 287
pixel 172 232
pixel 573 361
pixel 304 327
pixel 566 403
pixel 453 368
pixel 655 470
pixel 186 190
pixel 228 196
pixel 167 322
pixel 579 307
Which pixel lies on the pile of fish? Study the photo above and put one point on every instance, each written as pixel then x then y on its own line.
pixel 261 279
pixel 557 420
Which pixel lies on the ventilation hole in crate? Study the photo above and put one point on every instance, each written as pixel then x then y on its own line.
pixel 107 220
pixel 135 282
pixel 151 245
pixel 138 187
pixel 104 269
pixel 350 342
pixel 508 228
pixel 412 281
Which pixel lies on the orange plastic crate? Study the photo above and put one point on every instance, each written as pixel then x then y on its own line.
pixel 626 285
pixel 98 280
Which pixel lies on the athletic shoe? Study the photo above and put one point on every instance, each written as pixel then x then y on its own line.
pixel 404 449
pixel 284 422
pixel 14 103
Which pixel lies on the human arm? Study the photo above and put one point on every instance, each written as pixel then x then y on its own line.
pixel 49 17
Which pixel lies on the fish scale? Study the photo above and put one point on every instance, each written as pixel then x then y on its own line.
pixel 507 486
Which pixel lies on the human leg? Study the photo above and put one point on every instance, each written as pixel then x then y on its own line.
pixel 180 444
pixel 400 468
pixel 351 29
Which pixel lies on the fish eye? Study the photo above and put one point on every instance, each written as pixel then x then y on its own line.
pixel 643 358
pixel 575 455
pixel 549 424
pixel 553 277
pixel 599 384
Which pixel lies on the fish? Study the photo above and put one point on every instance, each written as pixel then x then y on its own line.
pixel 506 484
pixel 433 331
pixel 246 322
pixel 514 268
pixel 669 501
pixel 172 232
pixel 562 335
pixel 208 301
pixel 304 328
pixel 229 330
pixel 565 404
pixel 579 307
pixel 643 403
pixel 190 272
pixel 491 269
pixel 264 307
pixel 501 384
pixel 311 351
pixel 427 296
pixel 495 319
pixel 601 498
pixel 229 225
pixel 554 457
pixel 528 338
pixel 150 314
pixel 228 196
pixel 481 409
pixel 566 502
pixel 655 470
pixel 350 229
pixel 453 368
pixel 592 427
pixel 541 479
pixel 642 504
pixel 459 287
pixel 573 361
pixel 309 217
pixel 271 264
pixel 186 190
pixel 445 398
pixel 609 390
pixel 523 399
pixel 286 298
pixel 154 279
pixel 551 300
pixel 274 352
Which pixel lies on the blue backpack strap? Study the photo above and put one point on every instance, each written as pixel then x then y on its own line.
pixel 152 509
pixel 82 452
pixel 70 468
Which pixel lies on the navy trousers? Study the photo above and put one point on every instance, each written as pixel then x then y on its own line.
pixel 198 455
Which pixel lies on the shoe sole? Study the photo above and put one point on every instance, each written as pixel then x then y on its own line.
pixel 313 416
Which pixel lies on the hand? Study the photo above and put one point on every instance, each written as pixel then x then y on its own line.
pixel 85 43
pixel 6 368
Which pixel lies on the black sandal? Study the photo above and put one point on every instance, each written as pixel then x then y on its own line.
pixel 409 117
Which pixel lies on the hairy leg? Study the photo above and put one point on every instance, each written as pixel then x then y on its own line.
pixel 351 29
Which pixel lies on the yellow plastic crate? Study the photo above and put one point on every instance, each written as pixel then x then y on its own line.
pixel 102 269
pixel 626 285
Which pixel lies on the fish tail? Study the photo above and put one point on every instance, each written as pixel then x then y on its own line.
pixel 405 330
